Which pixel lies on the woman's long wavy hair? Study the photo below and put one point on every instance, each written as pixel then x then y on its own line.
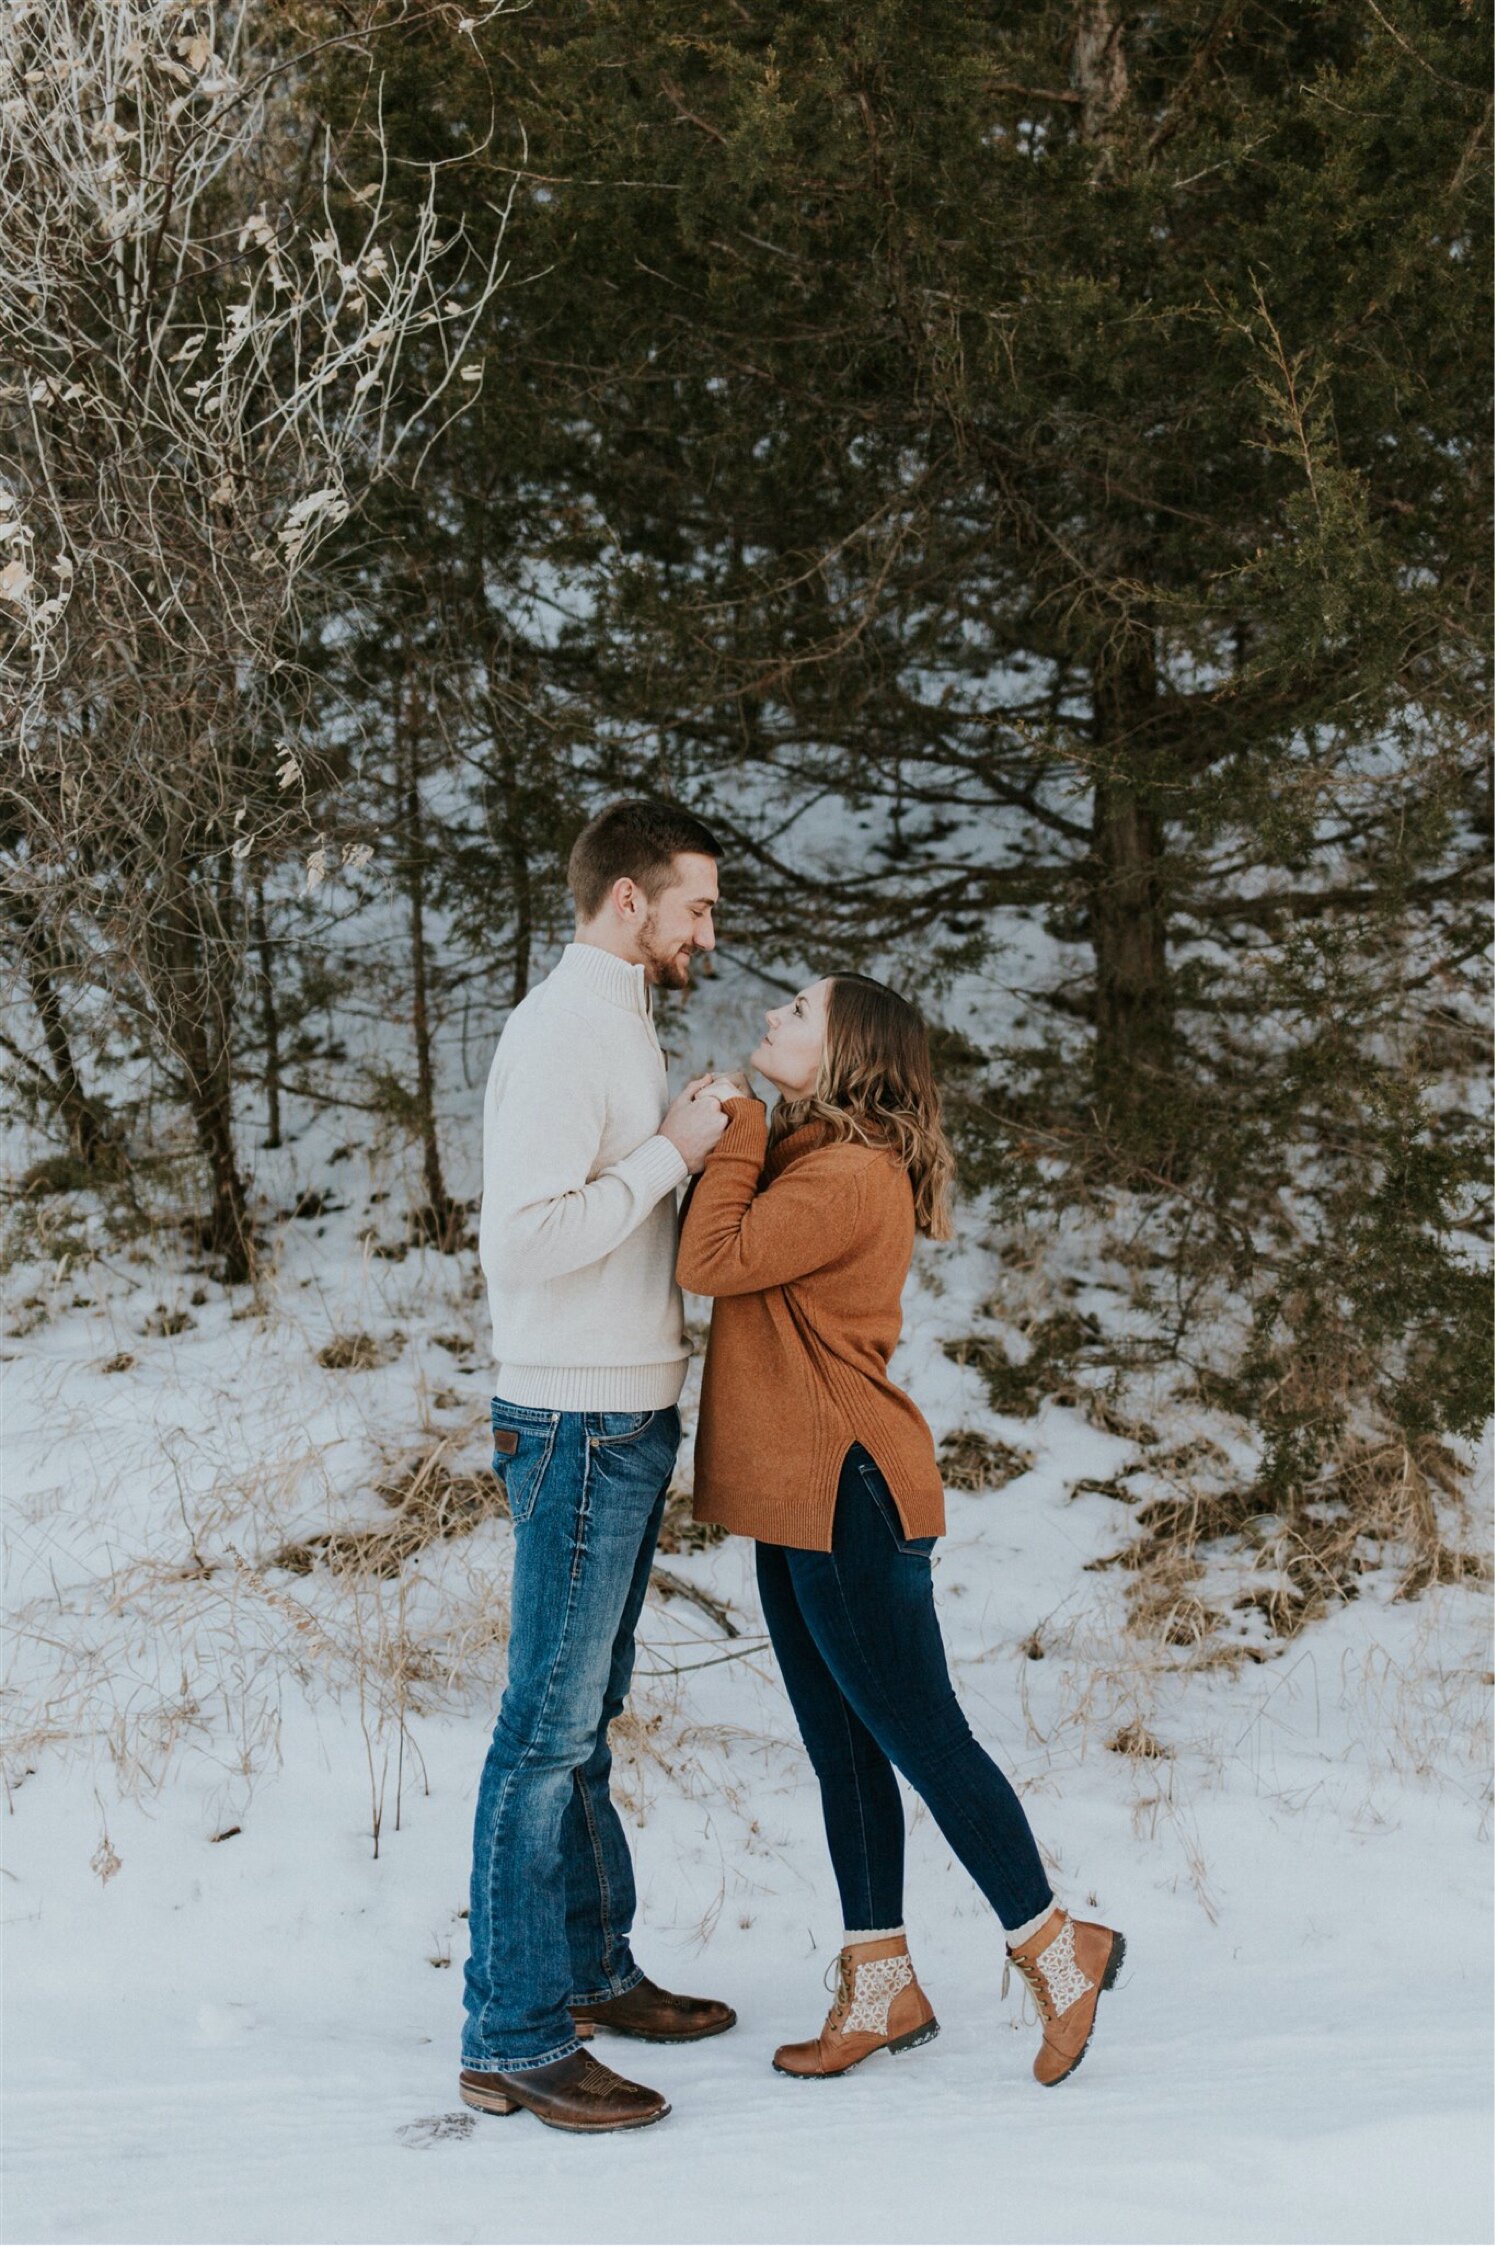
pixel 876 1085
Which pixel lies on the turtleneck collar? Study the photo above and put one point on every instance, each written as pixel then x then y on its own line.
pixel 811 1133
pixel 621 982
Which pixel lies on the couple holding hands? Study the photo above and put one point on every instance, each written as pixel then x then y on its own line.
pixel 800 1229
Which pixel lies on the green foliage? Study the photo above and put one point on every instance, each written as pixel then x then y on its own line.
pixel 1084 483
pixel 1080 480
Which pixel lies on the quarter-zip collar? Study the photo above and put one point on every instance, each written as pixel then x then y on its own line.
pixel 622 983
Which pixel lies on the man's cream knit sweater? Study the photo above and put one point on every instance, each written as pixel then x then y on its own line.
pixel 578 1225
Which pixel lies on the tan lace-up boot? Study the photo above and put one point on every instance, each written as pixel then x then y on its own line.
pixel 877 2003
pixel 1066 1966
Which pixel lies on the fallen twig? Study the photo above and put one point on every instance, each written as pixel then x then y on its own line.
pixel 667 1582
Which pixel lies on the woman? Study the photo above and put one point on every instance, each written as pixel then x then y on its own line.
pixel 803 1236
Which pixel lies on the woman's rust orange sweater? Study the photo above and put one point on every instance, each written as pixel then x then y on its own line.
pixel 805 1257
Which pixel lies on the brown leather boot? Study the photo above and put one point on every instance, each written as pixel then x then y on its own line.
pixel 580 2094
pixel 877 2003
pixel 647 2012
pixel 1066 1966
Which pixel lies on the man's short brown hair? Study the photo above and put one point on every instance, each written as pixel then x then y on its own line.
pixel 639 837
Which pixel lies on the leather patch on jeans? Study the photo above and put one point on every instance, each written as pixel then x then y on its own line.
pixel 506 1441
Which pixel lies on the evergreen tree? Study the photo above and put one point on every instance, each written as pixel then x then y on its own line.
pixel 1061 433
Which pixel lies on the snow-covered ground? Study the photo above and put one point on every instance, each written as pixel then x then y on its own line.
pixel 254 2038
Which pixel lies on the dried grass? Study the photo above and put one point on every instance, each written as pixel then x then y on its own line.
pixel 357 1352
pixel 679 1534
pixel 1164 1608
pixel 429 1501
pixel 1303 1552
pixel 191 1642
pixel 1137 1741
pixel 968 1461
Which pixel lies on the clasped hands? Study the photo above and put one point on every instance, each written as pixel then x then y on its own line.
pixel 697 1117
pixel 720 1086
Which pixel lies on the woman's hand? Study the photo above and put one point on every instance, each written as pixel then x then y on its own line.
pixel 729 1086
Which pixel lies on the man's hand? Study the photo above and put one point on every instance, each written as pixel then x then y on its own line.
pixel 694 1122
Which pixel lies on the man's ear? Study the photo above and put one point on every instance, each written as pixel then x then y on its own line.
pixel 625 896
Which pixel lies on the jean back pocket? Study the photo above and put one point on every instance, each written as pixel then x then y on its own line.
pixel 523 1441
pixel 885 1507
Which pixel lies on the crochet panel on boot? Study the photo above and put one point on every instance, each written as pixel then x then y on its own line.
pixel 1066 1982
pixel 876 1984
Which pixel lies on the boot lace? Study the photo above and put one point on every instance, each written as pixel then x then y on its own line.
pixel 1035 2005
pixel 864 1991
pixel 1054 1978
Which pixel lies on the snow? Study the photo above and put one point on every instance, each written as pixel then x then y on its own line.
pixel 255 2039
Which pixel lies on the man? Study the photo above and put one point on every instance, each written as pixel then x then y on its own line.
pixel 578 1237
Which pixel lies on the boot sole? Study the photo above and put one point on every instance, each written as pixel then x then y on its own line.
pixel 586 2029
pixel 921 2037
pixel 1106 1984
pixel 506 2105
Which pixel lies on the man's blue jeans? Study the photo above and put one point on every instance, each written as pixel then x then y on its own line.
pixel 552 1896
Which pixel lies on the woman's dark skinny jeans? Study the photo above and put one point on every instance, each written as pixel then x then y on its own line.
pixel 857 1638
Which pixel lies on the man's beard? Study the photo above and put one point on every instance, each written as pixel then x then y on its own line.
pixel 670 969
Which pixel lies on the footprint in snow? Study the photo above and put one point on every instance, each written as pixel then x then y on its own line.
pixel 426 2132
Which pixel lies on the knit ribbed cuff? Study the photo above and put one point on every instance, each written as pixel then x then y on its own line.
pixel 593 1390
pixel 652 1169
pixel 1026 1930
pixel 745 1134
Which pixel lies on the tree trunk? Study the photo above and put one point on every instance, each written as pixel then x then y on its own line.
pixel 1132 1002
pixel 520 875
pixel 1098 71
pixel 228 1235
pixel 208 1087
pixel 194 965
pixel 90 1136
pixel 421 1024
pixel 436 1219
pixel 270 1021
pixel 1127 920
pixel 513 834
